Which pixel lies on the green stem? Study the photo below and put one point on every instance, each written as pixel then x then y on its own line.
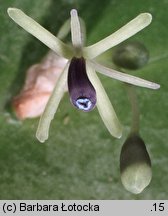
pixel 131 91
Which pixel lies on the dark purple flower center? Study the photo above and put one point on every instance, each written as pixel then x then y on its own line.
pixel 81 90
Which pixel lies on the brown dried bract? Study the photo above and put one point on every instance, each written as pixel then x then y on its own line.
pixel 39 84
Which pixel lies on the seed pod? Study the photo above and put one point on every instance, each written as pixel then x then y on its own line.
pixel 135 165
pixel 81 90
pixel 131 55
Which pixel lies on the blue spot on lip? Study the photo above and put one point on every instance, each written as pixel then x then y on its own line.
pixel 84 104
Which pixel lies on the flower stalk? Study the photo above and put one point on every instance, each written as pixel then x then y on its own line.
pixel 132 96
pixel 135 163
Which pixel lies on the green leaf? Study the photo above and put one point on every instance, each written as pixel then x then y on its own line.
pixel 80 160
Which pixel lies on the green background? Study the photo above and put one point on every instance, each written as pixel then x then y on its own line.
pixel 80 160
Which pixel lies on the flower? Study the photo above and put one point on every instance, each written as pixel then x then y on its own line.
pixel 85 88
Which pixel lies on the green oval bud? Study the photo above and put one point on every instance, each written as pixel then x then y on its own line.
pixel 135 165
pixel 131 55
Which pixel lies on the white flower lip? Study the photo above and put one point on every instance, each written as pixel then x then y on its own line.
pixel 124 77
pixel 104 106
pixel 40 33
pixel 75 29
pixel 125 32
pixel 51 108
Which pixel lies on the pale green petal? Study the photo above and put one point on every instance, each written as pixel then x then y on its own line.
pixel 83 30
pixel 40 33
pixel 51 107
pixel 131 28
pixel 104 105
pixel 124 77
pixel 75 29
pixel 64 30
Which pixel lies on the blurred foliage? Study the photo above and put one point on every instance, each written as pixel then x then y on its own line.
pixel 80 160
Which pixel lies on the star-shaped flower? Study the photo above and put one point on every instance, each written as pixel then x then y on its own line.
pixel 85 88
